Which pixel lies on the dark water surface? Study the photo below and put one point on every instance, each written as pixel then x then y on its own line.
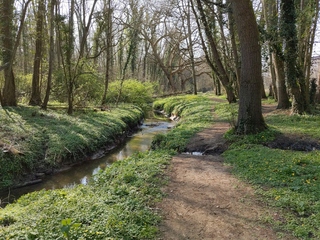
pixel 81 174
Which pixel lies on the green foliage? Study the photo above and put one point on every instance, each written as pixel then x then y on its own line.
pixel 48 138
pixel 24 83
pixel 196 114
pixel 227 112
pixel 300 124
pixel 288 180
pixel 67 225
pixel 87 89
pixel 117 203
pixel 133 91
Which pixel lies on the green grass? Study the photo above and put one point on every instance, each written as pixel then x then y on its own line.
pixel 287 180
pixel 196 114
pixel 48 139
pixel 118 203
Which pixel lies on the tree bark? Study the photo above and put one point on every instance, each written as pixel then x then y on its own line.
pixel 283 98
pixel 191 50
pixel 51 55
pixel 295 78
pixel 9 89
pixel 277 65
pixel 236 61
pixel 35 91
pixel 10 45
pixel 273 79
pixel 250 119
pixel 108 51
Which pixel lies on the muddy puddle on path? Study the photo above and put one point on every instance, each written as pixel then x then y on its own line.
pixel 81 174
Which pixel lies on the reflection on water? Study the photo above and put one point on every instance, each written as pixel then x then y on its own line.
pixel 81 174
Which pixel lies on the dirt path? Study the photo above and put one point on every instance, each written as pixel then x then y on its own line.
pixel 205 201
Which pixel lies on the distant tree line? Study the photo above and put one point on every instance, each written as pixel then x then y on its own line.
pixel 69 51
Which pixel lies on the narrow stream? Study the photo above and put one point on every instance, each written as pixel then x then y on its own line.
pixel 81 174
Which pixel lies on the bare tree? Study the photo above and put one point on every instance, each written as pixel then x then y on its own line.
pixel 215 62
pixel 73 64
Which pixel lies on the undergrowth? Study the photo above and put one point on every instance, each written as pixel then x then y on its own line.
pixel 288 180
pixel 195 113
pixel 47 139
pixel 119 202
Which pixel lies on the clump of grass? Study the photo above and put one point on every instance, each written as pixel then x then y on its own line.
pixel 289 180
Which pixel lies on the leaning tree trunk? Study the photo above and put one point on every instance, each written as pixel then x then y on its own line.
pixel 219 69
pixel 250 119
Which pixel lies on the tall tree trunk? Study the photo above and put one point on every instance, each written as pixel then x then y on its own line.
pixel 283 98
pixel 273 79
pixel 277 65
pixel 35 90
pixel 236 62
pixel 250 119
pixel 295 78
pixel 51 55
pixel 108 51
pixel 9 90
pixel 10 45
pixel 25 50
pixel 191 50
pixel 69 53
pixel 307 24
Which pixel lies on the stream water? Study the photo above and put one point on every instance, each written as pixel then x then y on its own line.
pixel 81 174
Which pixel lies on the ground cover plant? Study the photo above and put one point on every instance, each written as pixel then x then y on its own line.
pixel 47 139
pixel 286 179
pixel 196 114
pixel 118 203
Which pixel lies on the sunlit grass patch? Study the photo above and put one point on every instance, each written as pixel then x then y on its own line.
pixel 299 124
pixel 196 113
pixel 118 203
pixel 47 139
pixel 288 180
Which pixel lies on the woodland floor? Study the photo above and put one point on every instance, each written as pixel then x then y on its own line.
pixel 205 201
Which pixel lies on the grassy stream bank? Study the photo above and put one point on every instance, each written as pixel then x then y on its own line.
pixel 119 203
pixel 34 141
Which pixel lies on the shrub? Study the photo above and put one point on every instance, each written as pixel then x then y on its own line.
pixel 132 91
